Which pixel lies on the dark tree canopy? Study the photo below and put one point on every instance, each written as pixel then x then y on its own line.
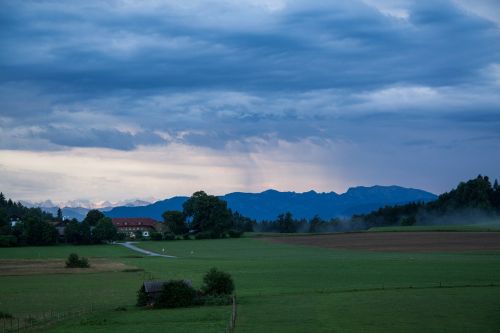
pixel 105 231
pixel 207 214
pixel 59 215
pixel 93 216
pixel 477 197
pixel 176 222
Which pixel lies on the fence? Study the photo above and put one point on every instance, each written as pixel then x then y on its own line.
pixel 232 322
pixel 22 324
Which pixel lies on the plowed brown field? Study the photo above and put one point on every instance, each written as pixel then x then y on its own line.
pixel 56 266
pixel 400 241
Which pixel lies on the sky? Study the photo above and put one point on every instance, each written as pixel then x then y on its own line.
pixel 119 99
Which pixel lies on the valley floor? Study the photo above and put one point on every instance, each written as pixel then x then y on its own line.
pixel 280 288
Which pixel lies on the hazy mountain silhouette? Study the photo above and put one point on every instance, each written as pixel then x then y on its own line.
pixel 269 204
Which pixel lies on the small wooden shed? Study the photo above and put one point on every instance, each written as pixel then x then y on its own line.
pixel 154 288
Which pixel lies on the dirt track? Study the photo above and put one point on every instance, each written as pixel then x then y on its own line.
pixel 401 241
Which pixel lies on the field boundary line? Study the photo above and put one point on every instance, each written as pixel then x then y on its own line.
pixel 382 288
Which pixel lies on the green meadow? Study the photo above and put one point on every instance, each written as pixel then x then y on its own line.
pixel 279 287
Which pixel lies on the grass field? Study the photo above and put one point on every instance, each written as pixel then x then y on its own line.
pixel 280 288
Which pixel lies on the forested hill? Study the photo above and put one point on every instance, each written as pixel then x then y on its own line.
pixel 269 204
pixel 469 202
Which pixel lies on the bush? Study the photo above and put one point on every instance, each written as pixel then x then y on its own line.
pixel 8 240
pixel 216 282
pixel 142 297
pixel 121 236
pixel 156 236
pixel 168 236
pixel 235 233
pixel 407 221
pixel 175 294
pixel 75 262
pixel 205 235
pixel 5 315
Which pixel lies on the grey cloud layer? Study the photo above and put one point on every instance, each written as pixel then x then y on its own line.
pixel 117 74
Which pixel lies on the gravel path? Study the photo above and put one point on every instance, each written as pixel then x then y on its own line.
pixel 131 246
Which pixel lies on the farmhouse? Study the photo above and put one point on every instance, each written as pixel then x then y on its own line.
pixel 130 225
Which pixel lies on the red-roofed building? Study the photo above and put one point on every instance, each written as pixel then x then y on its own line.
pixel 130 225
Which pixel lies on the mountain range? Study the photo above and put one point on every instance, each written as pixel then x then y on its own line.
pixel 269 204
pixel 265 205
pixel 79 208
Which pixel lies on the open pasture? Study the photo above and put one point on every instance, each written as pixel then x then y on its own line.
pixel 280 288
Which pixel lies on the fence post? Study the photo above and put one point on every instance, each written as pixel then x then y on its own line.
pixel 18 325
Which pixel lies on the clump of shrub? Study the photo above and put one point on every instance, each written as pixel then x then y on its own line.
pixel 176 294
pixel 5 315
pixel 156 236
pixel 217 282
pixel 216 290
pixel 233 233
pixel 203 235
pixel 142 297
pixel 120 308
pixel 8 240
pixel 121 236
pixel 168 236
pixel 74 261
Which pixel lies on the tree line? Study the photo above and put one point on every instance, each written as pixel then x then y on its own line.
pixel 468 202
pixel 34 229
pixel 23 226
pixel 286 223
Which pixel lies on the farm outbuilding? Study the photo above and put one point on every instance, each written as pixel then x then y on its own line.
pixel 154 288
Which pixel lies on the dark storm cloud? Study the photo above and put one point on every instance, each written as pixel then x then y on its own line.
pixel 209 74
pixel 92 137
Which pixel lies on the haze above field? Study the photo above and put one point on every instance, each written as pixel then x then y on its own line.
pixel 120 99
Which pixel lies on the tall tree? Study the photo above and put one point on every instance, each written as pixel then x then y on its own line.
pixel 104 231
pixel 72 232
pixel 176 221
pixel 59 215
pixel 286 223
pixel 207 213
pixel 93 216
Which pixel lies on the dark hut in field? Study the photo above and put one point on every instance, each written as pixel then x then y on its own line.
pixel 153 290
